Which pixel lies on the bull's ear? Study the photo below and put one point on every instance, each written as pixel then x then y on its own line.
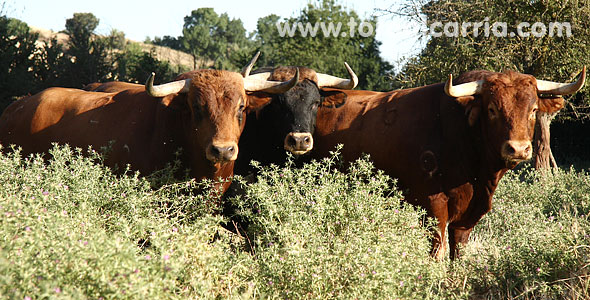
pixel 472 108
pixel 550 105
pixel 175 101
pixel 333 98
pixel 257 101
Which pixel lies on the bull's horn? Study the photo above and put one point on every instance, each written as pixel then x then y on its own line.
pixel 246 70
pixel 556 88
pixel 180 86
pixel 260 76
pixel 464 89
pixel 274 87
pixel 325 80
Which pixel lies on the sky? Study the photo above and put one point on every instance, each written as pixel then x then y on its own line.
pixel 149 18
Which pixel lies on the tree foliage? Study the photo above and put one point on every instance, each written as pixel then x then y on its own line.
pixel 220 42
pixel 135 65
pixel 28 65
pixel 213 39
pixel 325 54
pixel 86 57
pixel 547 57
pixel 17 46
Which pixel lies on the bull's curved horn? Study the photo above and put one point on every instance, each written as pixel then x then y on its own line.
pixel 246 70
pixel 556 88
pixel 180 86
pixel 260 76
pixel 274 87
pixel 464 89
pixel 325 80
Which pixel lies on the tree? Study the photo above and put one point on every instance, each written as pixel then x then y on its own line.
pixel 50 64
pixel 325 53
pixel 547 57
pixel 169 41
pixel 116 40
pixel 134 65
pixel 80 29
pixel 213 40
pixel 86 54
pixel 17 53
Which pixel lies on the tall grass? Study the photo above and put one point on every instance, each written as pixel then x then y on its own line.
pixel 535 244
pixel 71 229
pixel 319 233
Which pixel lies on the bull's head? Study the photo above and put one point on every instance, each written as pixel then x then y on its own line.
pixel 218 105
pixel 507 105
pixel 294 112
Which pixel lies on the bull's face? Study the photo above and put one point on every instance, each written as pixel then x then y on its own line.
pixel 293 113
pixel 217 102
pixel 508 107
pixel 509 112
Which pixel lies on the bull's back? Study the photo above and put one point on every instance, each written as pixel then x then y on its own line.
pixel 27 122
pixel 112 86
pixel 78 118
pixel 397 129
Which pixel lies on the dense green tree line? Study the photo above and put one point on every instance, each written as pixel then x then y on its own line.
pixel 28 65
pixel 220 42
pixel 214 40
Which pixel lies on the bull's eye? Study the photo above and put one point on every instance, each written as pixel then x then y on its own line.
pixel 241 113
pixel 492 111
pixel 196 110
pixel 533 114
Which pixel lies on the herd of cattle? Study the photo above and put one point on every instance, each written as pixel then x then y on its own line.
pixel 448 144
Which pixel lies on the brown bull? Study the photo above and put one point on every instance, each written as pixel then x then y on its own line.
pixel 203 115
pixel 110 87
pixel 448 145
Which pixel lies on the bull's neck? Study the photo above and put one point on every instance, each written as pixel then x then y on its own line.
pixel 466 144
pixel 491 167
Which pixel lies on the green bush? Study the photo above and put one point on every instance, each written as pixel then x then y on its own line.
pixel 72 229
pixel 319 233
pixel 535 243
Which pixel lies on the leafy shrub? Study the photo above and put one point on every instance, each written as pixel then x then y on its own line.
pixel 71 229
pixel 319 233
pixel 535 243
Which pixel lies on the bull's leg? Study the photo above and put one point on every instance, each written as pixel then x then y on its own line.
pixel 458 237
pixel 438 241
pixel 438 209
pixel 479 204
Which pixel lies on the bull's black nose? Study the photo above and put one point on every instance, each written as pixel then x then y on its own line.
pixel 299 142
pixel 219 153
pixel 509 149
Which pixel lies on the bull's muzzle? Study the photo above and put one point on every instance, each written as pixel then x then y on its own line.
pixel 222 152
pixel 298 143
pixel 515 151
